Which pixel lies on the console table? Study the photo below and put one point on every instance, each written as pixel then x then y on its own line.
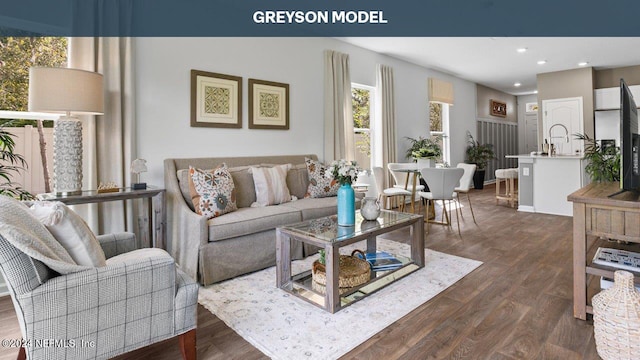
pixel 597 215
pixel 156 206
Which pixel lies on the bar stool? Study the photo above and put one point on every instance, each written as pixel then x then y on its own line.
pixel 509 177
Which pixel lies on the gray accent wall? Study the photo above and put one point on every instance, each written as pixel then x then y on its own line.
pixel 608 78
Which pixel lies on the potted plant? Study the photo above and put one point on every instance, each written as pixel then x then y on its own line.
pixel 11 164
pixel 603 162
pixel 478 154
pixel 423 150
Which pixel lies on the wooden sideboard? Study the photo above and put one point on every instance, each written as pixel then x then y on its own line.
pixel 596 216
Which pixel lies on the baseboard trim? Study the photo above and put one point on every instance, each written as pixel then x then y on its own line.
pixel 525 208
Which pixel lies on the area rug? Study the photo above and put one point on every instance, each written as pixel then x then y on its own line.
pixel 285 327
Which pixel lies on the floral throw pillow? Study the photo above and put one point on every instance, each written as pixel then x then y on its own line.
pixel 212 191
pixel 321 183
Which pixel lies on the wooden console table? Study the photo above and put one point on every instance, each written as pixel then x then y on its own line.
pixel 596 215
pixel 156 206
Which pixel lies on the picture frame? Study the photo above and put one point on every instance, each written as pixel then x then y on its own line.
pixel 216 100
pixel 531 107
pixel 268 105
pixel 498 108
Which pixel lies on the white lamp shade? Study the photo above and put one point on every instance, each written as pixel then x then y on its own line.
pixel 62 90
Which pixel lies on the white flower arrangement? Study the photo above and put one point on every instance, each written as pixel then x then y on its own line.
pixel 344 171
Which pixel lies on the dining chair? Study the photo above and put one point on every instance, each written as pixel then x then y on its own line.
pixel 385 194
pixel 441 182
pixel 465 185
pixel 406 180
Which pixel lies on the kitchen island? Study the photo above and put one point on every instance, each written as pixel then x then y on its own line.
pixel 544 182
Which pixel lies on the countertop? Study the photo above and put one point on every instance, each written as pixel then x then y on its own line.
pixel 529 156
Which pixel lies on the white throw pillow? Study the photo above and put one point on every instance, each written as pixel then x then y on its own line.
pixel 271 185
pixel 71 232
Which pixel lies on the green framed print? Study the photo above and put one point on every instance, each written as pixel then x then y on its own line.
pixel 216 100
pixel 268 105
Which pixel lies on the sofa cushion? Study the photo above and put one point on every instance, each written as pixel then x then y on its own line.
pixel 315 208
pixel 251 220
pixel 213 192
pixel 242 180
pixel 71 232
pixel 321 183
pixel 271 185
pixel 298 180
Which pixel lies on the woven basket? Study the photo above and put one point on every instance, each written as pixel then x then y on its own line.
pixel 616 319
pixel 354 271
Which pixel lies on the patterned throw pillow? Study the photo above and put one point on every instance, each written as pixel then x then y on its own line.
pixel 319 184
pixel 212 191
pixel 271 185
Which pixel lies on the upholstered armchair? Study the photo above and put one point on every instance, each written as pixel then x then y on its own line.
pixel 137 299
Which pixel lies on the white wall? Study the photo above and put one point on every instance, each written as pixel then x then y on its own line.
pixel 163 91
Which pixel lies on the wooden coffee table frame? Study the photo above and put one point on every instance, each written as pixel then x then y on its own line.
pixel 332 297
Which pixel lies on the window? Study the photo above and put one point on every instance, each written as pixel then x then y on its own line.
pixel 362 97
pixel 439 126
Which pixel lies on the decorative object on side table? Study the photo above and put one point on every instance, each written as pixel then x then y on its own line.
pixel 345 172
pixel 478 154
pixel 370 208
pixel 66 91
pixel 616 319
pixel 354 271
pixel 107 187
pixel 138 166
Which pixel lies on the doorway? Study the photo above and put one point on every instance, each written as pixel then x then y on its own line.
pixel 530 132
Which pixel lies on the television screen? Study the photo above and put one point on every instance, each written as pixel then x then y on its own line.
pixel 629 140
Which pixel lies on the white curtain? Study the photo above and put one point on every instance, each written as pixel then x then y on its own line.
pixel 386 108
pixel 109 139
pixel 338 111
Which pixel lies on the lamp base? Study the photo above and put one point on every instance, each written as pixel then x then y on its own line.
pixel 67 156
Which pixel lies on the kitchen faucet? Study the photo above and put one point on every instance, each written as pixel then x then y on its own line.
pixel 566 132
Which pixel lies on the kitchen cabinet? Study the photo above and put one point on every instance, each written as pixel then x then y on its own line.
pixel 609 98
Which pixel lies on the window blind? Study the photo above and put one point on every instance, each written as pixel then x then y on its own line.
pixel 440 91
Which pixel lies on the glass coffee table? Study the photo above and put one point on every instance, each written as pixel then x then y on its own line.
pixel 326 234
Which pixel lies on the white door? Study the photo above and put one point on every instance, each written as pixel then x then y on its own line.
pixel 530 132
pixel 562 118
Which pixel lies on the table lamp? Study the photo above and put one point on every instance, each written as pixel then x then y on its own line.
pixel 66 91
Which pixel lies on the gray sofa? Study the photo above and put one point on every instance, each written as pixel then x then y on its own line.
pixel 242 241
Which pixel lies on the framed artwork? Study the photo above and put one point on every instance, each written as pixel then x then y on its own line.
pixel 531 107
pixel 498 108
pixel 268 105
pixel 216 100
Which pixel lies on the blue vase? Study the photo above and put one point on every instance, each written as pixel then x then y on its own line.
pixel 346 205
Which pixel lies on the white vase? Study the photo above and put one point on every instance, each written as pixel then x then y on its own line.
pixel 424 163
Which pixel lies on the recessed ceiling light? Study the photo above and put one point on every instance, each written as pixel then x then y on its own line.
pixel 517 84
pixel 542 62
pixel 535 91
pixel 584 63
pixel 521 50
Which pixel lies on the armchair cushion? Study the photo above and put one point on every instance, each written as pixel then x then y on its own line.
pixel 71 232
pixel 22 230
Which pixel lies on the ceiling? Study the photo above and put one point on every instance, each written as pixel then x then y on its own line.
pixel 496 63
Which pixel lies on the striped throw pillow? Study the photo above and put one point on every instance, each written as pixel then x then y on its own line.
pixel 271 185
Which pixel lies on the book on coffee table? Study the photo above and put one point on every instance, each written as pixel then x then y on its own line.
pixel 382 260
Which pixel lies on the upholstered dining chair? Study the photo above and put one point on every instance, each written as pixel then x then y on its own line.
pixel 138 298
pixel 441 183
pixel 465 185
pixel 384 195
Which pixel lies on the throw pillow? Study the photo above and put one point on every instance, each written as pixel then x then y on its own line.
pixel 271 185
pixel 71 232
pixel 321 183
pixel 212 192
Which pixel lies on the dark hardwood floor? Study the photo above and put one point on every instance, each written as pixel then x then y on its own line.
pixel 517 305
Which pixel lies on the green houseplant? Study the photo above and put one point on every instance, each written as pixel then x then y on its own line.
pixel 603 163
pixel 479 154
pixel 10 165
pixel 423 148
